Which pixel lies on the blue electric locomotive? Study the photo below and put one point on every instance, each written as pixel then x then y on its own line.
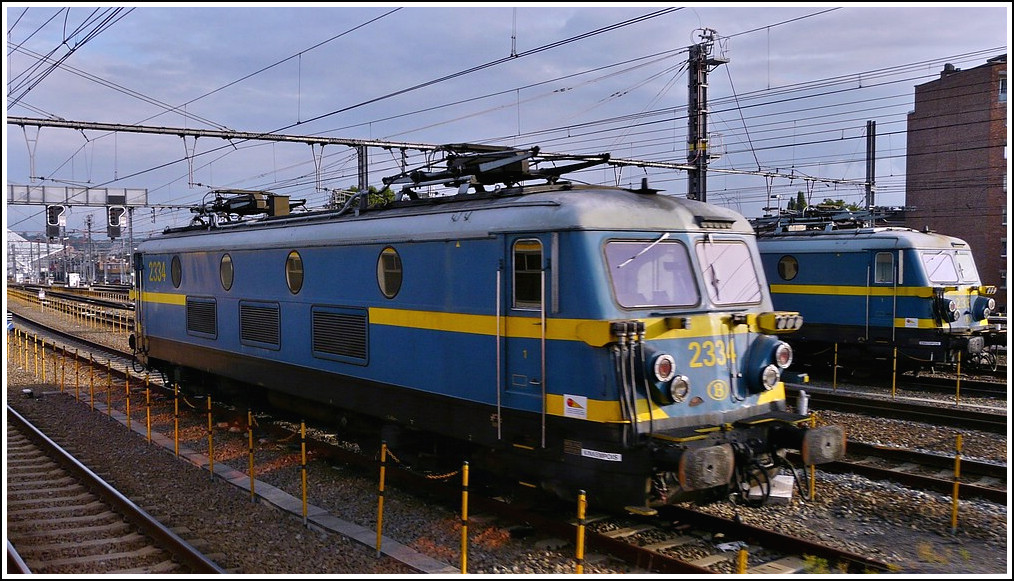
pixel 888 293
pixel 573 337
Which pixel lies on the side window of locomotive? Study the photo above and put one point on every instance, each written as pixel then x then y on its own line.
pixel 883 267
pixel 294 272
pixel 729 274
pixel 176 271
pixel 939 266
pixel 389 272
pixel 788 267
pixel 226 271
pixel 527 274
pixel 651 274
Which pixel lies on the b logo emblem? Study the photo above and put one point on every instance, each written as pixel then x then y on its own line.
pixel 718 390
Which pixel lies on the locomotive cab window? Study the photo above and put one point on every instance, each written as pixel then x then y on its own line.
pixel 966 267
pixel 226 271
pixel 939 267
pixel 788 267
pixel 294 272
pixel 883 271
pixel 729 274
pixel 527 274
pixel 651 273
pixel 389 272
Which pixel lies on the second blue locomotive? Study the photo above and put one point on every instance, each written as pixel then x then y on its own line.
pixel 878 293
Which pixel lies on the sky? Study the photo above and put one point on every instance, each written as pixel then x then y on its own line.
pixel 793 99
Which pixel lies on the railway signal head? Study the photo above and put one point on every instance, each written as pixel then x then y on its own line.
pixel 54 219
pixel 114 215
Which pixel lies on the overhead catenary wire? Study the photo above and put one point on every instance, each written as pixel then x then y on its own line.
pixel 592 146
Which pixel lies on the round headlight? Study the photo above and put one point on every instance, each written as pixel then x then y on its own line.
pixel 984 307
pixel 679 388
pixel 783 355
pixel 664 367
pixel 769 377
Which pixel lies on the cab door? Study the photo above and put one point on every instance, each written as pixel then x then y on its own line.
pixel 524 302
pixel 882 294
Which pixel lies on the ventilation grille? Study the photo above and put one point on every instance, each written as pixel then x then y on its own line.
pixel 340 335
pixel 201 317
pixel 258 324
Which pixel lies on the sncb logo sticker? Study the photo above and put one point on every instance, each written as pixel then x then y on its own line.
pixel 718 390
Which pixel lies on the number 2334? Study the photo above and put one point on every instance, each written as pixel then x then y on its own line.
pixel 711 353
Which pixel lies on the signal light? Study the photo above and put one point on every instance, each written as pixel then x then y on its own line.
pixel 54 219
pixel 114 219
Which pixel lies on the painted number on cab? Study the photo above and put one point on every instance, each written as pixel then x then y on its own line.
pixel 156 271
pixel 710 353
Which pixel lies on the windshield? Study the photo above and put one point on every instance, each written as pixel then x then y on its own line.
pixel 729 273
pixel 651 274
pixel 966 267
pixel 950 266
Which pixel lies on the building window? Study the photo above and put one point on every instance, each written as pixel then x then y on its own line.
pixel 1003 89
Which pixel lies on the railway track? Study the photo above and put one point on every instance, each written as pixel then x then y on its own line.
pixel 922 470
pixel 62 518
pixel 677 540
pixel 986 420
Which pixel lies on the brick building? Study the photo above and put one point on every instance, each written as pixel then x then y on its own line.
pixel 957 164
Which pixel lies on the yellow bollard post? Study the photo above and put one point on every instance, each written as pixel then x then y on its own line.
pixel 35 356
pixel 147 408
pixel 43 361
pixel 91 379
pixel 957 479
pixel 813 467
pixel 249 431
pixel 126 393
pixel 380 494
pixel 302 450
pixel 957 389
pixel 77 376
pixel 211 444
pixel 176 418
pixel 894 372
pixel 582 506
pixel 464 518
pixel 63 368
pixel 741 562
pixel 109 387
